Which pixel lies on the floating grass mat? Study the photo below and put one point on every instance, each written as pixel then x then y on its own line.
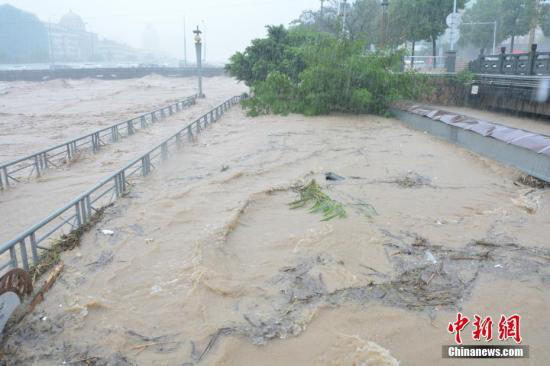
pixel 321 202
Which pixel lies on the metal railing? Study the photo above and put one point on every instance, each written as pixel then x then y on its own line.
pixel 35 164
pixel 80 210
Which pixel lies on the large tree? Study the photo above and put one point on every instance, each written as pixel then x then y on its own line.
pixel 362 20
pixel 23 38
pixel 481 35
pixel 436 12
pixel 516 18
pixel 405 24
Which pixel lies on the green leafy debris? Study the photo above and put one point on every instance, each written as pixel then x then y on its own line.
pixel 321 202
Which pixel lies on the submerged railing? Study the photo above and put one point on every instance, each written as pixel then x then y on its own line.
pixel 81 209
pixel 40 161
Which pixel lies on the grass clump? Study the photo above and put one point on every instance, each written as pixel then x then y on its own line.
pixel 321 202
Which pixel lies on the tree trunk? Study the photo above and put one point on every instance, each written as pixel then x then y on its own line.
pixel 512 43
pixel 412 58
pixel 434 51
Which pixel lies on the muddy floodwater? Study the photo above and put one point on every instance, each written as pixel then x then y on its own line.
pixel 35 116
pixel 208 264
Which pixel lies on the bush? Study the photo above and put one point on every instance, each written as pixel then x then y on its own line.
pixel 315 73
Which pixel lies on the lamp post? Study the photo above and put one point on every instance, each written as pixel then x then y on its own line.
pixel 385 5
pixel 198 49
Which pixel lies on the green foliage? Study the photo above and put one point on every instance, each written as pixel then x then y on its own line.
pixel 514 17
pixel 465 76
pixel 321 202
pixel 317 73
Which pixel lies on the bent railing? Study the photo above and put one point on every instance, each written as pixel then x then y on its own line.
pixel 11 172
pixel 23 250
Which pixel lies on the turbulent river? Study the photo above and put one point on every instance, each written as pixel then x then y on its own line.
pixel 209 265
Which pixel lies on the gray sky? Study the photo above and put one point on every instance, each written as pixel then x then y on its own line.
pixel 229 25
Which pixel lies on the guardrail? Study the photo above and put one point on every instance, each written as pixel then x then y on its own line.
pixel 38 162
pixel 79 211
pixel 528 64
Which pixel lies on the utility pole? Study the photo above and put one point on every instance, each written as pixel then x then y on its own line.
pixel 184 43
pixel 344 6
pixel 453 25
pixel 384 35
pixel 322 8
pixel 198 49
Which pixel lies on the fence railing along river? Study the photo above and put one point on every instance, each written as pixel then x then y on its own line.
pixel 81 209
pixel 36 163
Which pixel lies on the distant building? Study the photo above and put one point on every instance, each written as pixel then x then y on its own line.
pixel 69 41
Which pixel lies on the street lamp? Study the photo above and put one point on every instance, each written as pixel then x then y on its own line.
pixel 198 49
pixel 385 5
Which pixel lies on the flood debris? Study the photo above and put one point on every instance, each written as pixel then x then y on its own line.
pixel 529 180
pixel 52 255
pixel 311 193
pixel 411 180
pixel 425 277
pixel 333 177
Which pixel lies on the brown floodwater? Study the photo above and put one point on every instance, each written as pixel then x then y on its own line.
pixel 65 105
pixel 209 265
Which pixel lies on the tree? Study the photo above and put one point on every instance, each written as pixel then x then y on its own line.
pixel 420 19
pixel 436 11
pixel 317 73
pixel 516 17
pixel 481 36
pixel 362 20
pixel 406 24
pixel 23 38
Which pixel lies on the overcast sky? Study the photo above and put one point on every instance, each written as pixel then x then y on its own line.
pixel 229 25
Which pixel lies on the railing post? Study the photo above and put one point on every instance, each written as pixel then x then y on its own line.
pixel 5 169
pixel 164 151
pixel 34 249
pixel 45 157
pixel 153 117
pixel 130 127
pixel 114 133
pixel 89 206
pixel 24 258
pixel 190 133
pixel 145 165
pixel 501 59
pixel 123 181
pixel 95 142
pixel 170 112
pixel 178 140
pixel 69 155
pixel 143 122
pixel 532 59
pixel 78 214
pixel 37 165
pixel 162 115
pixel 83 211
pixel 13 257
